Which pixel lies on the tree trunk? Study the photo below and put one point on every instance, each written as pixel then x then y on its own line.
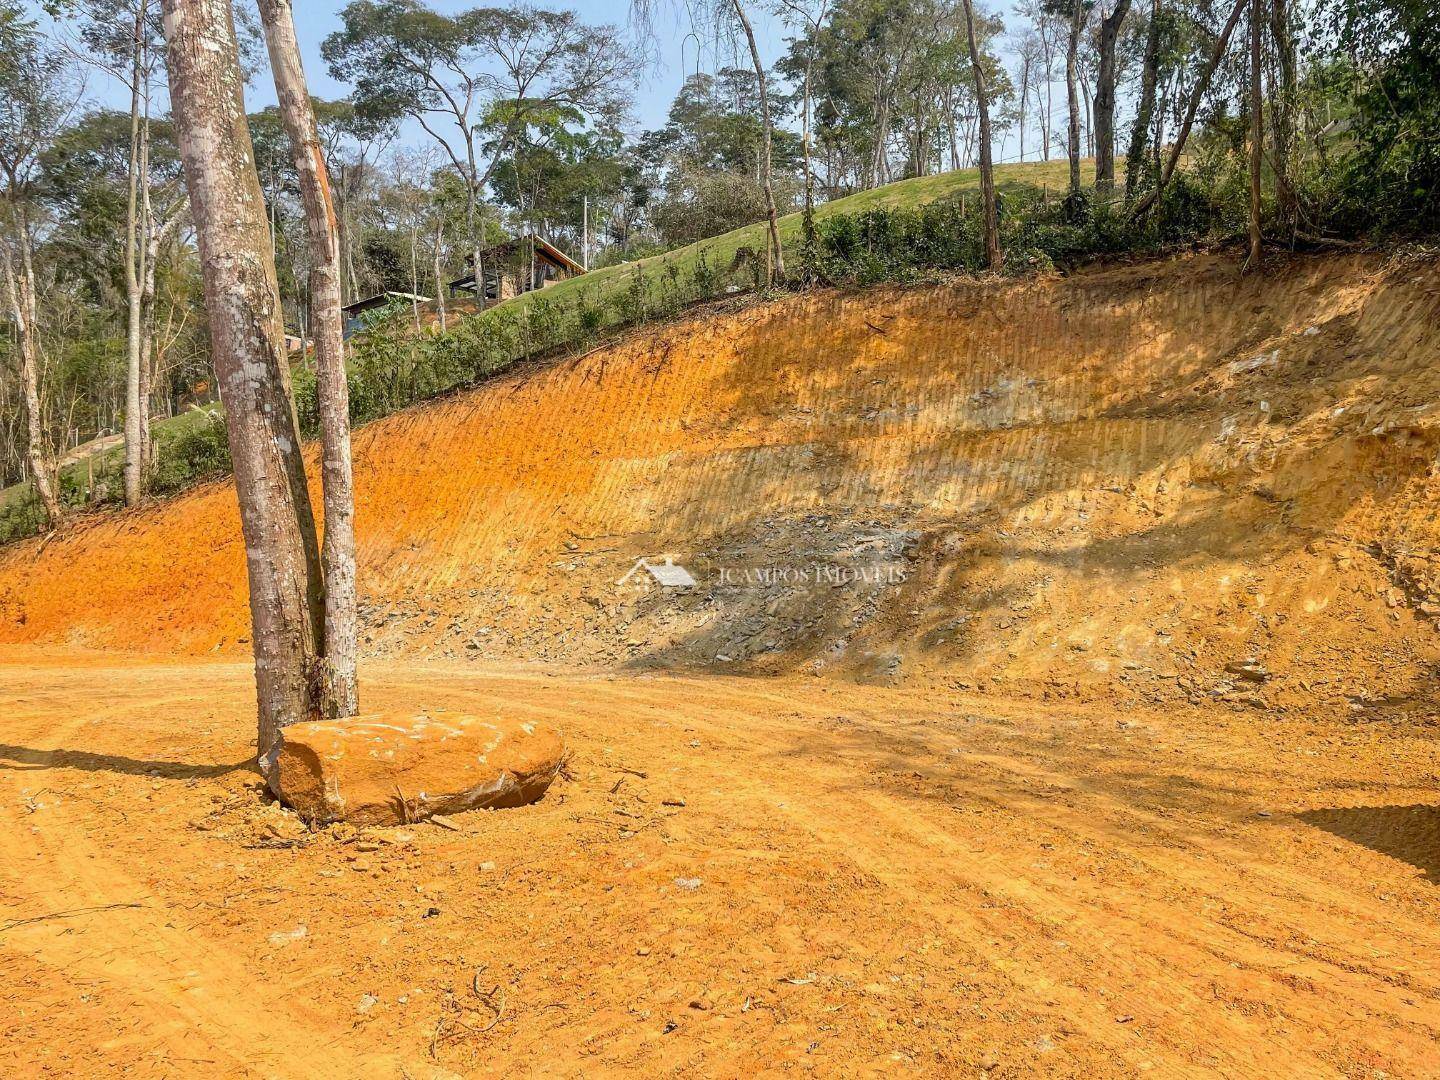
pixel 987 170
pixel 1145 109
pixel 1257 135
pixel 1072 77
pixel 147 346
pixel 332 390
pixel 808 219
pixel 1282 115
pixel 775 265
pixel 472 223
pixel 1105 100
pixel 247 339
pixel 439 278
pixel 20 294
pixel 1024 104
pixel 153 233
pixel 1201 85
pixel 134 276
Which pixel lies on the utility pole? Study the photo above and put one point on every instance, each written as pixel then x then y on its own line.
pixel 585 232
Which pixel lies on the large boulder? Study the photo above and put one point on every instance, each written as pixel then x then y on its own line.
pixel 393 768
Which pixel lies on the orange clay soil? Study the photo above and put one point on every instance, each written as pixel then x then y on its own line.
pixel 1126 483
pixel 737 876
pixel 1121 759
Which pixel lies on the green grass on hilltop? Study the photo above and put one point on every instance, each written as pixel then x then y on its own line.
pixel 721 250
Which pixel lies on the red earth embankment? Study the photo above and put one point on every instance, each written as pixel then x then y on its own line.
pixel 1163 480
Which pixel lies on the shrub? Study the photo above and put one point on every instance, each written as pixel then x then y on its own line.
pixel 199 451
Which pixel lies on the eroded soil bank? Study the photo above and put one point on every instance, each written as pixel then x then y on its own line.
pixel 1162 482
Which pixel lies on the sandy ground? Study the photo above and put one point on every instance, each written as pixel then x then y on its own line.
pixel 736 877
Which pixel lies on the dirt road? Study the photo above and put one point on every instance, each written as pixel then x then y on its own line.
pixel 736 877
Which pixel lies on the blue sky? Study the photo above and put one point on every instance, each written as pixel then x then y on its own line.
pixel 316 19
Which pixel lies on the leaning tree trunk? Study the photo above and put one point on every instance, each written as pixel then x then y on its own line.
pixel 1201 85
pixel 332 391
pixel 1145 111
pixel 1072 77
pixel 247 340
pixel 1257 135
pixel 20 293
pixel 775 266
pixel 987 168
pixel 1105 100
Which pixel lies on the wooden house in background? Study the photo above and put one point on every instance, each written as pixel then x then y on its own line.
pixel 355 311
pixel 517 266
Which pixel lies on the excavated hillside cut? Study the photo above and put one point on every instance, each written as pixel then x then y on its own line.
pixel 1165 480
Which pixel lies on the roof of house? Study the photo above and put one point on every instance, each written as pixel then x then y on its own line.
pixel 543 249
pixel 381 299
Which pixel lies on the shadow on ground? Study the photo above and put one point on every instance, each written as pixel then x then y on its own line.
pixel 25 758
pixel 1408 833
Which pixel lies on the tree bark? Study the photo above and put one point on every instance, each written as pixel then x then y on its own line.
pixel 807 258
pixel 247 338
pixel 1072 78
pixel 1201 85
pixel 1282 116
pixel 439 279
pixel 990 211
pixel 332 390
pixel 775 265
pixel 1024 95
pixel 1145 109
pixel 1105 100
pixel 135 397
pixel 1257 135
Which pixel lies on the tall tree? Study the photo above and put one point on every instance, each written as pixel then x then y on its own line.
pixel 1257 132
pixel 33 108
pixel 122 39
pixel 327 329
pixel 775 261
pixel 989 208
pixel 1110 26
pixel 1282 116
pixel 1072 80
pixel 1136 155
pixel 810 17
pixel 248 347
pixel 1197 94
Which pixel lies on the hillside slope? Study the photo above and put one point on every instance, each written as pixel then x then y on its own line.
pixel 603 287
pixel 1162 480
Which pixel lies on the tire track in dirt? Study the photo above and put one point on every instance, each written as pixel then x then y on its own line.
pixel 198 999
pixel 912 879
pixel 1197 922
